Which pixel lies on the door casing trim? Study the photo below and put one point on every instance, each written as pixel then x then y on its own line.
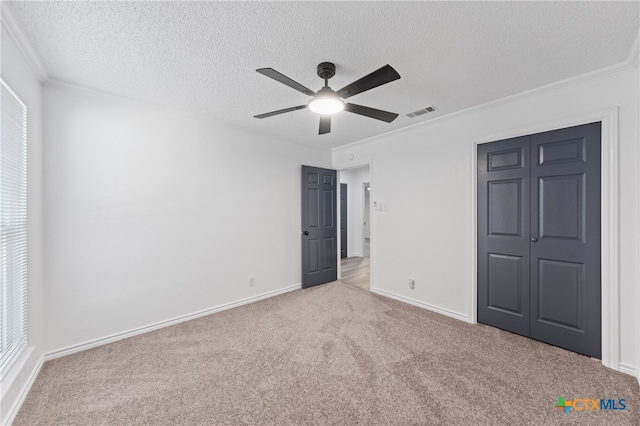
pixel 610 219
pixel 364 204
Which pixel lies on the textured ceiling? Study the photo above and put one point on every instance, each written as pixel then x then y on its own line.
pixel 202 56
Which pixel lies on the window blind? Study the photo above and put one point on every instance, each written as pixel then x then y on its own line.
pixel 13 228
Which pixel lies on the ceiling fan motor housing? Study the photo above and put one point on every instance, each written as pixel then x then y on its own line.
pixel 326 70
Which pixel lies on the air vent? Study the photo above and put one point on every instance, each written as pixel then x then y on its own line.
pixel 422 111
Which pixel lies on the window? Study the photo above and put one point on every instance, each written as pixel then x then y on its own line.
pixel 13 228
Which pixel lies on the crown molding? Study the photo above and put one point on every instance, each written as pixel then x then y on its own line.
pixel 632 61
pixel 10 23
pixel 76 88
pixel 200 116
pixel 634 54
pixel 603 72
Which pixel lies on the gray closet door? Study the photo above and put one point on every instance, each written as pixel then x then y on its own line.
pixel 503 234
pixel 539 237
pixel 565 239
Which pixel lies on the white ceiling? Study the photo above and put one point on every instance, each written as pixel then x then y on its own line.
pixel 202 56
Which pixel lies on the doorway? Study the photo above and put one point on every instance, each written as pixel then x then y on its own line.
pixel 343 220
pixel 355 268
pixel 366 227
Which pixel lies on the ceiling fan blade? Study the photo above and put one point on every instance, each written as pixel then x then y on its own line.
pixel 378 114
pixel 270 72
pixel 325 124
pixel 377 78
pixel 280 111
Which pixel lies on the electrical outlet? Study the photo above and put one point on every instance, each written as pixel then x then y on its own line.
pixel 252 281
pixel 412 283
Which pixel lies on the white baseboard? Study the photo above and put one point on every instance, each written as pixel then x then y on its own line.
pixel 426 306
pixel 627 369
pixel 356 254
pixel 162 324
pixel 15 407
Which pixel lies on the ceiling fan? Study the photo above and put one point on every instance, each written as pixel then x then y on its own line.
pixel 327 101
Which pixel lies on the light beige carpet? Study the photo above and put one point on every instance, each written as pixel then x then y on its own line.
pixel 334 354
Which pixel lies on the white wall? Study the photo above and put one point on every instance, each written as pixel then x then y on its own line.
pixel 17 74
pixel 151 214
pixel 424 175
pixel 354 178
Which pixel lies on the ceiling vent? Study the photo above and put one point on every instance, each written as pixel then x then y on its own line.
pixel 422 111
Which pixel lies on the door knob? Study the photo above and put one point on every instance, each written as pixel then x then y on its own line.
pixel 534 240
pixel 304 233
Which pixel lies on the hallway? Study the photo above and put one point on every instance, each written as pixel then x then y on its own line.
pixel 355 271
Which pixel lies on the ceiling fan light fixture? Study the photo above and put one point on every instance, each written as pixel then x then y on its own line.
pixel 326 102
pixel 326 105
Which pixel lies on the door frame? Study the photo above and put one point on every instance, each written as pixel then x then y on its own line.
pixel 357 165
pixel 364 204
pixel 339 213
pixel 610 278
